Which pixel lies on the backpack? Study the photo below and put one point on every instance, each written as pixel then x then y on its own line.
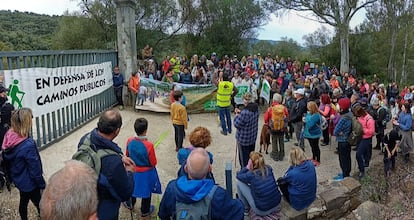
pixel 323 123
pixel 387 117
pixel 5 180
pixel 200 210
pixel 277 122
pixel 88 154
pixel 356 133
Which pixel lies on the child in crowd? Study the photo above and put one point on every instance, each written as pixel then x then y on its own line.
pixel 146 180
pixel 199 137
pixel 142 95
pixel 179 119
pixel 391 143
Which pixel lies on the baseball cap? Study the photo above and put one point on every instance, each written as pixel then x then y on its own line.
pixel 300 91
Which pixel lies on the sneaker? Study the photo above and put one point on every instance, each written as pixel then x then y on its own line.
pixel 324 144
pixel 286 140
pixel 246 211
pixel 315 163
pixel 223 133
pixel 296 144
pixel 128 205
pixel 338 178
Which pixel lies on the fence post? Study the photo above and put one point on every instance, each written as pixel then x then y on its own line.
pixel 229 184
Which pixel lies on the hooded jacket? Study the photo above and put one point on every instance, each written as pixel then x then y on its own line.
pixel 343 128
pixel 302 182
pixel 312 126
pixel 23 162
pixel 190 191
pixel 115 185
pixel 247 123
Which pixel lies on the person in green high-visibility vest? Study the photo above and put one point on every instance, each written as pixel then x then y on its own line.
pixel 225 92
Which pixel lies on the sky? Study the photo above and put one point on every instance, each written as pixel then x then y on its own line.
pixel 290 25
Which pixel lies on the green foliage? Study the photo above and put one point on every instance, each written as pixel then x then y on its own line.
pixel 26 31
pixel 80 33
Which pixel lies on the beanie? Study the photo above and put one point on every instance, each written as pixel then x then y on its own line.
pixel 344 103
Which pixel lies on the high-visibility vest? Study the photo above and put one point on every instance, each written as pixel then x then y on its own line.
pixel 224 91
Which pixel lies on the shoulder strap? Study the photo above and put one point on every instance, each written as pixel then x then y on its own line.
pixel 209 197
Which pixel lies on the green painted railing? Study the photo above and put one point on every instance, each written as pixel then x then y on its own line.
pixel 51 127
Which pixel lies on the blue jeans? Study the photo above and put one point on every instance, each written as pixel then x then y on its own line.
pixel 245 195
pixel 225 119
pixel 363 154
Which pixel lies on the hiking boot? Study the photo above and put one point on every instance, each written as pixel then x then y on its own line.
pixel 296 144
pixel 148 215
pixel 324 144
pixel 223 133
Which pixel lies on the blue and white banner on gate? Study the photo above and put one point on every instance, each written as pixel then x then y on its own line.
pixel 45 90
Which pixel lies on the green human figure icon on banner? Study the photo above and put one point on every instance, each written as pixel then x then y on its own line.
pixel 13 93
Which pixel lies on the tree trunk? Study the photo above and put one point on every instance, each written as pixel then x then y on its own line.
pixel 404 65
pixel 343 31
pixel 391 60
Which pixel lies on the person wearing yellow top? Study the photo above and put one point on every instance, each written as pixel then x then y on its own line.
pixel 225 92
pixel 179 119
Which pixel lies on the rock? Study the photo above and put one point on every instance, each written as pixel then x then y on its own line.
pixel 369 211
pixel 353 185
pixel 334 198
pixel 289 213
pixel 407 186
pixel 316 209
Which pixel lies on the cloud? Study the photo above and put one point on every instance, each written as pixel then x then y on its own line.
pixel 295 25
pixel 49 7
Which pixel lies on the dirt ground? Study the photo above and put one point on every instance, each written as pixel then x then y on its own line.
pixel 222 148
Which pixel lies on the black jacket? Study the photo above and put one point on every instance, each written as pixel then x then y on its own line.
pixel 298 110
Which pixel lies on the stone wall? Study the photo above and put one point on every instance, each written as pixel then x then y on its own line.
pixel 334 200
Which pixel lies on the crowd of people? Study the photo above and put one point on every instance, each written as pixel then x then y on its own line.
pixel 312 102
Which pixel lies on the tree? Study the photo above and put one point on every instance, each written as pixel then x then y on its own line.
pixel 337 13
pixel 222 25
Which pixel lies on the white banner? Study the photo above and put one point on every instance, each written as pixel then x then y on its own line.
pixel 45 90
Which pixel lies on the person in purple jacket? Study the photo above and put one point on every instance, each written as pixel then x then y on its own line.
pixel 23 161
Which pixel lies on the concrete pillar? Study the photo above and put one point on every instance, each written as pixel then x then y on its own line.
pixel 126 35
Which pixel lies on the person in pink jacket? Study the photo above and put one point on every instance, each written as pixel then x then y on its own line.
pixel 364 149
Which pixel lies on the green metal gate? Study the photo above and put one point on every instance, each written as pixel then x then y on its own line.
pixel 51 127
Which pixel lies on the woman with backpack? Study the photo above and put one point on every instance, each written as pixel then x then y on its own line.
pixel 312 131
pixel 404 123
pixel 257 188
pixel 23 160
pixel 364 149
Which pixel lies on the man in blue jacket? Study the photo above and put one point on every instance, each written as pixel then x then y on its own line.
pixel 118 84
pixel 115 181
pixel 194 187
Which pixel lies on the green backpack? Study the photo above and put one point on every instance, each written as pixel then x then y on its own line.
pixel 88 154
pixel 200 210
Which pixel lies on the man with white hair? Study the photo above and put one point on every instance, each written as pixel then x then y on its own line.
pixel 195 187
pixel 277 112
pixel 71 194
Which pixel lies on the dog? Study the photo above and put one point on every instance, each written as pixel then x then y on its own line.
pixel 265 138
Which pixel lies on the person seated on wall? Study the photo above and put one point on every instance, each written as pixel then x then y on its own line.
pixel 171 77
pixel 257 188
pixel 298 185
pixel 146 52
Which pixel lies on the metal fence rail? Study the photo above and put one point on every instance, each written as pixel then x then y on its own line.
pixel 51 127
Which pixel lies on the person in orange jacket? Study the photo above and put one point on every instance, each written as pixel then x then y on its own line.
pixel 133 86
